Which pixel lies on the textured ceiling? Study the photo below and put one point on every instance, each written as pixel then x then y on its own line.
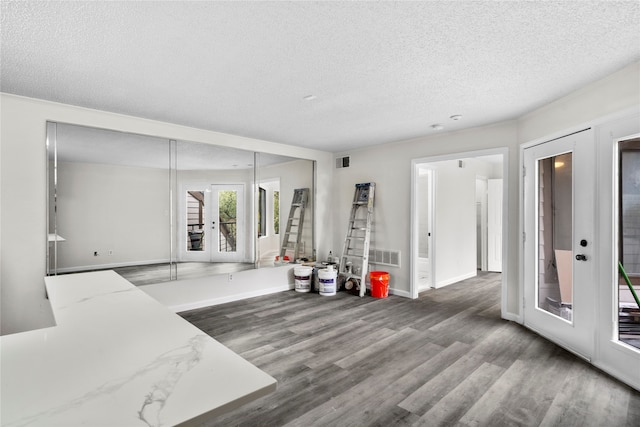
pixel 380 71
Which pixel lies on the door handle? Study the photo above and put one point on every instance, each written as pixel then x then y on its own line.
pixel 581 257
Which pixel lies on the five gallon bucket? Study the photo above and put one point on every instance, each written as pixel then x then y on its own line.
pixel 379 284
pixel 302 276
pixel 327 281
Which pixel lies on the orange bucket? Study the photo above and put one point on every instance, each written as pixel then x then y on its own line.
pixel 379 284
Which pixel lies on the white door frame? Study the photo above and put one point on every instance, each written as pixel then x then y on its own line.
pixel 494 224
pixel 504 152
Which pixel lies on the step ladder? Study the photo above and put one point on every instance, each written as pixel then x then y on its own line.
pixel 354 261
pixel 295 224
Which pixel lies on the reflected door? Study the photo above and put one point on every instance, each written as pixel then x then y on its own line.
pixel 214 223
pixel 559 269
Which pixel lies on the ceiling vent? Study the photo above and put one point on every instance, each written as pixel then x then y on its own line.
pixel 342 162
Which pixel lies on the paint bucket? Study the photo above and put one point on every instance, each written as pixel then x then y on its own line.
pixel 327 280
pixel 379 284
pixel 302 277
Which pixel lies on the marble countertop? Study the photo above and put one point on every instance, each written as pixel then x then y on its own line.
pixel 119 358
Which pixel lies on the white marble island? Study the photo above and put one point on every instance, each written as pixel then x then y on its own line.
pixel 118 358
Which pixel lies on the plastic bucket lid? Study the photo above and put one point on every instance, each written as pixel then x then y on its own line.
pixel 303 271
pixel 379 275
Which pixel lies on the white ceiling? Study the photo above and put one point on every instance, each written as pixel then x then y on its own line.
pixel 380 71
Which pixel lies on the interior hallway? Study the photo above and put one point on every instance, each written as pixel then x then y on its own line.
pixel 445 358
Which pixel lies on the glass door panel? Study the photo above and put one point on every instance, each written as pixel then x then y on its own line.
pixel 228 236
pixel 629 243
pixel 195 215
pixel 195 221
pixel 227 221
pixel 555 225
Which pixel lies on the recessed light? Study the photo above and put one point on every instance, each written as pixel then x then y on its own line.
pixel 437 126
pixel 310 97
pixel 456 117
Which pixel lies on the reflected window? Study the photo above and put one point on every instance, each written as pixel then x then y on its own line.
pixel 262 212
pixel 276 212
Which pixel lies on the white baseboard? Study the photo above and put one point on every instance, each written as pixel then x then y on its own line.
pixel 111 265
pixel 228 298
pixel 456 279
pixel 400 293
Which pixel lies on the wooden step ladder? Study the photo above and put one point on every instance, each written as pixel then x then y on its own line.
pixel 354 261
pixel 295 223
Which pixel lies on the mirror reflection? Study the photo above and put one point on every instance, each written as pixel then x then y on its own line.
pixel 154 209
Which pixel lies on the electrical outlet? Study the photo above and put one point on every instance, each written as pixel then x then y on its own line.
pixel 230 277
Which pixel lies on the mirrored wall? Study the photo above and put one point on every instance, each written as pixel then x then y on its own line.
pixel 155 209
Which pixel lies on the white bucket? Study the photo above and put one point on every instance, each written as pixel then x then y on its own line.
pixel 302 276
pixel 327 280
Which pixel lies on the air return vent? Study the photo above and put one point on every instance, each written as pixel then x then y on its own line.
pixel 342 162
pixel 384 257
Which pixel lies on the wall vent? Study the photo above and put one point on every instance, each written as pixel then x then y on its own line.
pixel 342 162
pixel 384 257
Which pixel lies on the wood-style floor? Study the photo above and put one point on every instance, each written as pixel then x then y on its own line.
pixel 445 359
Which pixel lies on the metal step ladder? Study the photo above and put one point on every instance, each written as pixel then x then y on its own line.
pixel 295 223
pixel 354 261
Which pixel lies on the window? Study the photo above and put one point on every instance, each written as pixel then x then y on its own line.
pixel 262 212
pixel 276 212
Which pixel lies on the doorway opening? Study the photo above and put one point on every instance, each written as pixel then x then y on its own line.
pixel 457 211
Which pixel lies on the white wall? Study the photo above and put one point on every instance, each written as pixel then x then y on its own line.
pixel 23 191
pixel 102 208
pixel 614 93
pixel 455 223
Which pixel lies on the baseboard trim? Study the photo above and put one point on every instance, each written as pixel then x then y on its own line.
pixel 400 293
pixel 456 279
pixel 228 298
pixel 111 266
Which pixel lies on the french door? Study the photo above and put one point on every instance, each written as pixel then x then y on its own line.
pixel 559 264
pixel 213 228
